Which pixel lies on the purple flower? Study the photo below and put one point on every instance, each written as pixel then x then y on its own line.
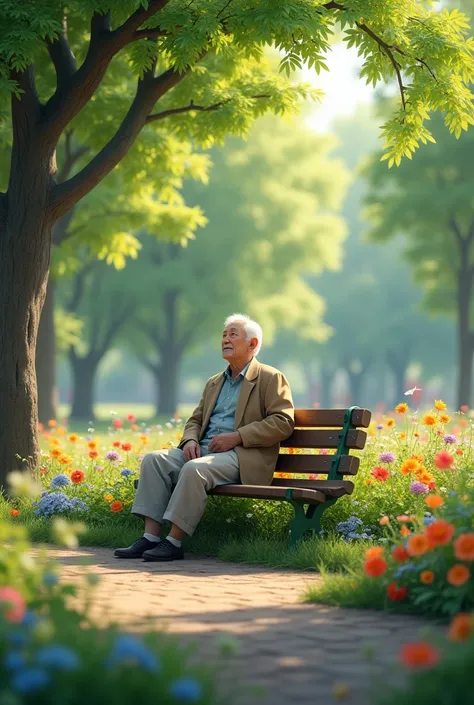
pixel 449 438
pixel 112 455
pixel 387 457
pixel 379 427
pixel 419 488
pixel 126 472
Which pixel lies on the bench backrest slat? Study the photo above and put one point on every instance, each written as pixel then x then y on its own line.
pixel 316 464
pixel 320 418
pixel 324 439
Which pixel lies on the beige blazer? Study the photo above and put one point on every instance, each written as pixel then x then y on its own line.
pixel 264 417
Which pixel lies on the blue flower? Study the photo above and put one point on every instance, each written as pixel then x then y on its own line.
pixel 129 650
pixel 187 690
pixel 60 480
pixel 428 520
pixel 57 503
pixel 30 619
pixel 28 680
pixel 126 472
pixel 17 639
pixel 57 656
pixel 50 579
pixel 14 660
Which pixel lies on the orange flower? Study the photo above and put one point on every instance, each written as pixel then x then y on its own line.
pixel 461 627
pixel 108 497
pixel 375 552
pixel 401 408
pixel 433 501
pixel 77 476
pixel 126 447
pixel 458 575
pixel 92 445
pixel 425 477
pixel 416 434
pixel 400 554
pixel 73 437
pixel 443 460
pixel 51 423
pixel 403 436
pixel 134 427
pixel 405 531
pixel 369 482
pixel 444 418
pixel 459 451
pixel 408 466
pixel 116 506
pixel 403 518
pixel 427 577
pixel 390 423
pixel 375 567
pixel 419 654
pixel 116 444
pixel 65 460
pixel 417 545
pixel 439 532
pixel 429 420
pixel 464 547
pixel 14 512
pixel 440 405
pixel 93 454
pixel 383 521
pixel 56 453
pixel 40 428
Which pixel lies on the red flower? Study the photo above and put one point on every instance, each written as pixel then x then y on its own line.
pixel 419 654
pixel 443 460
pixel 396 594
pixel 132 418
pixel 116 506
pixel 400 554
pixel 126 447
pixel 43 470
pixel 116 444
pixel 14 512
pixel 117 423
pixel 381 474
pixel 77 476
pixel 93 454
pixel 375 567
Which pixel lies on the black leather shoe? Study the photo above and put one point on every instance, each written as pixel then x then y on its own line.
pixel 137 548
pixel 164 551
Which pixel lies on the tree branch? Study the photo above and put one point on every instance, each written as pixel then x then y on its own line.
pixel 149 90
pixel 70 156
pixel 78 288
pixel 149 34
pixel 62 57
pixel 26 108
pixel 153 367
pixel 387 50
pixel 61 230
pixel 193 107
pixel 116 322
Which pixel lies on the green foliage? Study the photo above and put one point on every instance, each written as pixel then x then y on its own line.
pixel 50 649
pixel 428 52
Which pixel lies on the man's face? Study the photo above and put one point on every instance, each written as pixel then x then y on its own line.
pixel 235 347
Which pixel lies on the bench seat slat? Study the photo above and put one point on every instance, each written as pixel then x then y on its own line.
pixel 268 492
pixel 324 439
pixel 317 464
pixel 330 488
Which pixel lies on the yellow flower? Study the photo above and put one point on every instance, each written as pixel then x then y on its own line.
pixel 65 460
pixel 403 436
pixel 429 420
pixel 440 405
pixel 401 408
pixel 73 437
pixel 92 445
pixel 54 442
pixel 108 497
pixel 390 423
pixel 444 418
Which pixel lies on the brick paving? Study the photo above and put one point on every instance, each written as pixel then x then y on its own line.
pixel 288 652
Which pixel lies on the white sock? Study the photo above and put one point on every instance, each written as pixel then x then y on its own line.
pixel 175 542
pixel 150 537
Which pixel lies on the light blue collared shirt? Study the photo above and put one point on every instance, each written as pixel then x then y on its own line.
pixel 222 419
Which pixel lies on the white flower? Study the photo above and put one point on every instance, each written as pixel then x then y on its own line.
pixel 249 516
pixel 23 484
pixel 443 489
pixel 228 520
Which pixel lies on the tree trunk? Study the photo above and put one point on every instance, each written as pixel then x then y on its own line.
pixel 355 383
pixel 84 371
pixel 25 246
pixel 465 334
pixel 326 377
pixel 167 379
pixel 398 365
pixel 46 359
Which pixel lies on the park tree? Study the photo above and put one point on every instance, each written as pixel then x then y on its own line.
pixel 431 206
pixel 198 66
pixel 283 189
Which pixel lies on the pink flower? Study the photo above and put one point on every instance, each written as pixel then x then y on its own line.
pixel 13 602
pixel 117 423
pixel 381 474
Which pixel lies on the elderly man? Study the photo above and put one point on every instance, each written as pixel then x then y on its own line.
pixel 233 435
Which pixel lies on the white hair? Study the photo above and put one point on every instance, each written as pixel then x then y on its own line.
pixel 252 328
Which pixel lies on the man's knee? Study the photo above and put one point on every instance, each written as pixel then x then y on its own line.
pixel 191 472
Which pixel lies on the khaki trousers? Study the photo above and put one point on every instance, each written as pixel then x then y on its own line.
pixel 172 490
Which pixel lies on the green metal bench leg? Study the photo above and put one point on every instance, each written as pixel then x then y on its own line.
pixel 303 521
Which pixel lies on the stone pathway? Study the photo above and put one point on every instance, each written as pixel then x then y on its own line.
pixel 291 651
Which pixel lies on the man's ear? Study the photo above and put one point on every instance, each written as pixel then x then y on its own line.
pixel 253 343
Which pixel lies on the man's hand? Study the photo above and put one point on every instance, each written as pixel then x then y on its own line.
pixel 191 451
pixel 224 441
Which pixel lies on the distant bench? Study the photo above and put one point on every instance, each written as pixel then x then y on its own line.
pixel 314 428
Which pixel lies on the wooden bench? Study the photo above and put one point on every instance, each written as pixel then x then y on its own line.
pixel 314 428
